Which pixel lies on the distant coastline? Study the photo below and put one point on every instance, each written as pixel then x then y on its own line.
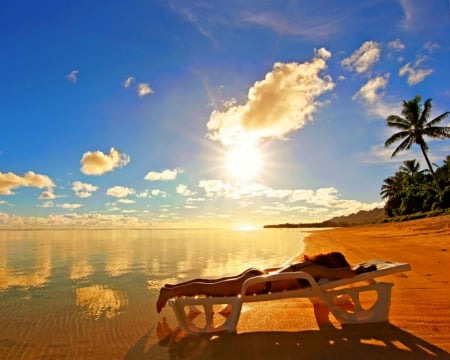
pixel 363 217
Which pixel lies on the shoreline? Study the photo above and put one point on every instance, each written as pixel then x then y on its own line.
pixel 419 303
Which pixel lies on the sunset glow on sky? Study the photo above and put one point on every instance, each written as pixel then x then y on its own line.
pixel 209 113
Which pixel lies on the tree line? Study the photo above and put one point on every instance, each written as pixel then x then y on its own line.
pixel 413 190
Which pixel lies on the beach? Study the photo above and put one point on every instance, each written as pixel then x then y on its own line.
pixel 419 324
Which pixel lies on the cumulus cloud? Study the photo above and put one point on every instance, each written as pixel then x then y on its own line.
pixel 323 197
pixel 371 96
pixel 47 195
pixel 282 102
pixel 158 192
pixel 69 220
pixel 126 201
pixel 73 76
pixel 127 83
pixel 10 181
pixel 83 190
pixel 183 190
pixel 119 191
pixel 46 204
pixel 372 90
pixel 144 89
pixel 363 58
pixel 414 74
pixel 396 45
pixel 69 206
pixel 98 163
pixel 165 175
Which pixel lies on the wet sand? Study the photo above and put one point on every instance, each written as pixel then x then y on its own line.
pixel 419 326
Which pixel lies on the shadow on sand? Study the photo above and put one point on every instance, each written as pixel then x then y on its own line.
pixel 372 341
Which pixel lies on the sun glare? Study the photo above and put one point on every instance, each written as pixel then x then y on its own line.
pixel 243 162
pixel 246 227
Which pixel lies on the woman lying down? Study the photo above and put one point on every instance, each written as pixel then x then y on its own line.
pixel 331 265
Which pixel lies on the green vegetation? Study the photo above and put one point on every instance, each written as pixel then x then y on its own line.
pixel 412 190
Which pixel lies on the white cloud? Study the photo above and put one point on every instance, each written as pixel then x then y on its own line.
pixel 143 194
pixel 431 46
pixel 396 45
pixel 83 190
pixel 47 195
pixel 371 96
pixel 363 58
pixel 69 206
pixel 119 191
pixel 370 92
pixel 127 83
pixel 183 190
pixel 46 204
pixel 10 181
pixel 414 74
pixel 69 220
pixel 126 201
pixel 165 175
pixel 160 193
pixel 309 26
pixel 98 163
pixel 144 89
pixel 282 102
pixel 327 198
pixel 73 76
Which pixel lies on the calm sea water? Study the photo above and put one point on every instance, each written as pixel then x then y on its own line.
pixel 91 294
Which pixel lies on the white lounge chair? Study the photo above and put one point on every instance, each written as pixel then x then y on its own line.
pixel 200 315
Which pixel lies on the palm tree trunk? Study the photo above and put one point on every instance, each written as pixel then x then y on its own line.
pixel 424 152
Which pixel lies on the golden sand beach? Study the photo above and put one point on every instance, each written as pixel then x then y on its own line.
pixel 419 326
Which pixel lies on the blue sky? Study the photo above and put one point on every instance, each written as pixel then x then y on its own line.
pixel 209 113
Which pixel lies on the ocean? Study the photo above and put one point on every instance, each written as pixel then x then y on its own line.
pixel 90 294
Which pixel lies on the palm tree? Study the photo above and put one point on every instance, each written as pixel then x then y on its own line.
pixel 410 167
pixel 414 126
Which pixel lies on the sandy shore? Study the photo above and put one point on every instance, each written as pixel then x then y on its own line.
pixel 419 326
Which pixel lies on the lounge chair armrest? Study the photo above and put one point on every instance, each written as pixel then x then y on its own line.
pixel 261 279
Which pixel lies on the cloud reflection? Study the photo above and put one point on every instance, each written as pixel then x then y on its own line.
pixel 81 270
pixel 29 276
pixel 97 301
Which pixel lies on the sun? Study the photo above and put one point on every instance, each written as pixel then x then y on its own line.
pixel 244 161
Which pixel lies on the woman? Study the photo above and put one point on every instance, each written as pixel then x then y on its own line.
pixel 332 265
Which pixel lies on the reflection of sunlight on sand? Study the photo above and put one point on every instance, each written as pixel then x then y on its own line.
pixel 35 276
pixel 99 300
pixel 81 270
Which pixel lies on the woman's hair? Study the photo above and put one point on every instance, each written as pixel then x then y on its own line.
pixel 331 260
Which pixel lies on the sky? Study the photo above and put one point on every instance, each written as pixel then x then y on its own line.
pixel 199 113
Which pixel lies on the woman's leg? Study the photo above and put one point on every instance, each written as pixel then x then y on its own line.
pixel 228 287
pixel 210 281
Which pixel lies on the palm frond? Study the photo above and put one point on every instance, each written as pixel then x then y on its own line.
pixel 438 119
pixel 425 113
pixel 438 132
pixel 405 145
pixel 396 137
pixel 397 122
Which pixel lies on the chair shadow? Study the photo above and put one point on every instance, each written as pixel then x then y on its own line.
pixel 369 341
